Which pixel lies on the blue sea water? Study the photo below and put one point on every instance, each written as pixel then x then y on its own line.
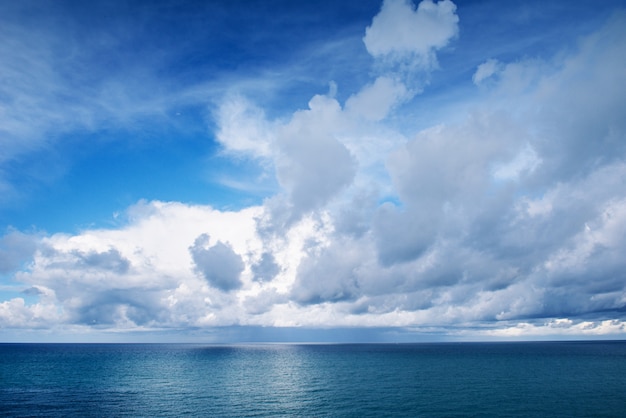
pixel 346 380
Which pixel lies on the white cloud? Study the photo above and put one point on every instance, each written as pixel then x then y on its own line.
pixel 375 101
pixel 312 164
pixel 142 273
pixel 509 217
pixel 596 246
pixel 485 70
pixel 15 313
pixel 400 32
pixel 243 127
pixel 560 327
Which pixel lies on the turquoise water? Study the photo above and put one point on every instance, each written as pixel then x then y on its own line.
pixel 360 380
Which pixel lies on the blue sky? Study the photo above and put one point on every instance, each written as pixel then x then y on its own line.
pixel 243 170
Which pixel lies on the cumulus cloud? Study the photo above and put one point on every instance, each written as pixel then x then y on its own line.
pixel 266 269
pixel 317 152
pixel 109 260
pixel 375 101
pixel 219 264
pixel 327 275
pixel 441 191
pixel 140 274
pixel 15 313
pixel 400 32
pixel 313 165
pixel 310 160
pixel 508 218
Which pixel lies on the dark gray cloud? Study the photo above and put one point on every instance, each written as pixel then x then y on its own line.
pixel 219 264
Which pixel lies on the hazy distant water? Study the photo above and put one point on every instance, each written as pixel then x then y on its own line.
pixel 466 379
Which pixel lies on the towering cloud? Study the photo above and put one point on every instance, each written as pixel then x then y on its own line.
pixel 312 164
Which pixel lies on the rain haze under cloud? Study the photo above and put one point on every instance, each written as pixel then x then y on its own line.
pixel 395 171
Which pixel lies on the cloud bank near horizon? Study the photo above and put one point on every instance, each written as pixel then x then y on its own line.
pixel 506 218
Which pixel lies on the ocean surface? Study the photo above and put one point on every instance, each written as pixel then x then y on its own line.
pixel 568 379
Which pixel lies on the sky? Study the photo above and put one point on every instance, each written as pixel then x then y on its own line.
pixel 232 171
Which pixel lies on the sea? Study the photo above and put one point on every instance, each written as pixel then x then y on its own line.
pixel 521 379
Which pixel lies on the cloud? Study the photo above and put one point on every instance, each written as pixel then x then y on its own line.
pixel 65 79
pixel 443 180
pixel 317 153
pixel 16 248
pixel 485 70
pixel 591 262
pixel 243 127
pixel 264 302
pixel 560 327
pixel 140 274
pixel 15 313
pixel 312 165
pixel 219 264
pixel 327 275
pixel 505 217
pixel 524 163
pixel 375 101
pixel 266 269
pixel 308 152
pixel 110 260
pixel 400 32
